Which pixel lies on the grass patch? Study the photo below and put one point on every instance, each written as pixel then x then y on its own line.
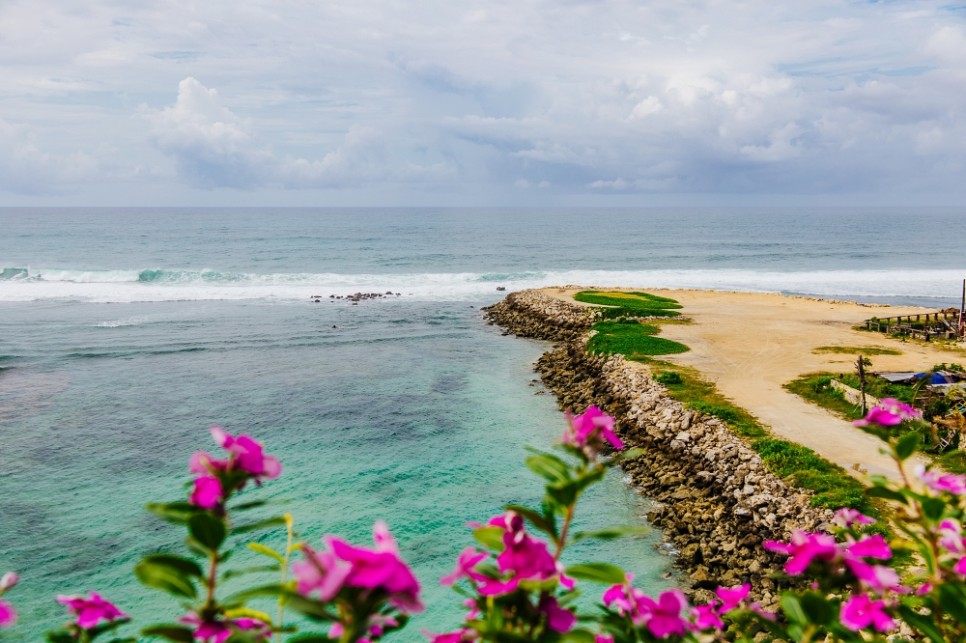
pixel 632 339
pixel 833 486
pixel 694 392
pixel 857 350
pixel 817 389
pixel 629 304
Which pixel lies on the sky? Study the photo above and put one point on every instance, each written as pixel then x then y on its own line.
pixel 520 102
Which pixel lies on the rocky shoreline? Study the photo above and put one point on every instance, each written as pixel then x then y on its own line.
pixel 716 501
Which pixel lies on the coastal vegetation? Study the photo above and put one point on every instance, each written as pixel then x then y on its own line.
pixel 857 350
pixel 618 303
pixel 832 485
pixel 635 340
pixel 943 439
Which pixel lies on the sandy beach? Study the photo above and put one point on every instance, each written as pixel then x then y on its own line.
pixel 750 344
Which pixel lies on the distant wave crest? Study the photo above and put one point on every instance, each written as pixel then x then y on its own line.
pixel 160 284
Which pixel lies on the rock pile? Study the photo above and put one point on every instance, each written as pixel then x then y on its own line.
pixel 355 298
pixel 716 501
pixel 529 313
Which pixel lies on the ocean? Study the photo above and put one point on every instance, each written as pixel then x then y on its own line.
pixel 126 333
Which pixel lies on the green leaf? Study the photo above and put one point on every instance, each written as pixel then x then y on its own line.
pixel 793 608
pixel 261 524
pixel 310 638
pixel 166 578
pixel 60 636
pixel 922 624
pixel 908 444
pixel 933 508
pixel 888 494
pixel 611 533
pixel 549 467
pixel 177 633
pixel 953 601
pixel 259 548
pixel 539 521
pixel 578 636
pixel 176 512
pixel 245 506
pixel 178 564
pixel 817 608
pixel 489 537
pixel 244 571
pixel 598 573
pixel 207 530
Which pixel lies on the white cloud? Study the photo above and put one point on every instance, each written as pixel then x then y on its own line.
pixel 713 95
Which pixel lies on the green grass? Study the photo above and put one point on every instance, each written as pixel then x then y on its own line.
pixel 833 486
pixel 631 339
pixel 700 395
pixel 857 350
pixel 817 389
pixel 629 304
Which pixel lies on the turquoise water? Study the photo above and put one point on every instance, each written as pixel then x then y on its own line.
pixel 124 334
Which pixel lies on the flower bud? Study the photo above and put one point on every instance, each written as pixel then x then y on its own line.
pixel 9 580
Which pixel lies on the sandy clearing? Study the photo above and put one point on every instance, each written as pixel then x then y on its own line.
pixel 750 344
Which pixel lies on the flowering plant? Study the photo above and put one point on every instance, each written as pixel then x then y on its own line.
pixel 514 582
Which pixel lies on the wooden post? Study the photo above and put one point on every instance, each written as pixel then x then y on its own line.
pixel 860 365
pixel 962 312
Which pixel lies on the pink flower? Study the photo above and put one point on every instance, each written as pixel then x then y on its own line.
pixel 870 547
pixel 731 597
pixel 859 612
pixel 207 493
pixel 523 558
pixel 8 616
pixel 603 638
pixel 803 549
pixel 379 568
pixel 459 636
pixel 665 615
pixel 247 454
pixel 876 577
pixel 219 631
pixel 705 617
pixel 762 612
pixel 558 619
pixel 951 536
pixel 321 572
pixel 468 559
pixel 589 430
pixel 890 412
pixel 846 517
pixel 942 482
pixel 91 611
pixel 9 580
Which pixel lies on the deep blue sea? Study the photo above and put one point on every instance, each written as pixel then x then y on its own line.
pixel 126 333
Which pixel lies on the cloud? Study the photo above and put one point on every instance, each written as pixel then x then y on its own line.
pixel 215 148
pixel 27 169
pixel 403 99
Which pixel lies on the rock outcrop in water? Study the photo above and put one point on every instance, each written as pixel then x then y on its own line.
pixel 716 501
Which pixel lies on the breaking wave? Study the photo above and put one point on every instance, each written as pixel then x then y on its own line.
pixel 23 284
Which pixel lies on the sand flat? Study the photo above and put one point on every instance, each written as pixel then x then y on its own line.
pixel 750 344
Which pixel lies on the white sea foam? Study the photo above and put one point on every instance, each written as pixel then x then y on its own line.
pixel 125 286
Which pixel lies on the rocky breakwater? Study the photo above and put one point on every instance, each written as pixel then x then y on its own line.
pixel 716 502
pixel 530 313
